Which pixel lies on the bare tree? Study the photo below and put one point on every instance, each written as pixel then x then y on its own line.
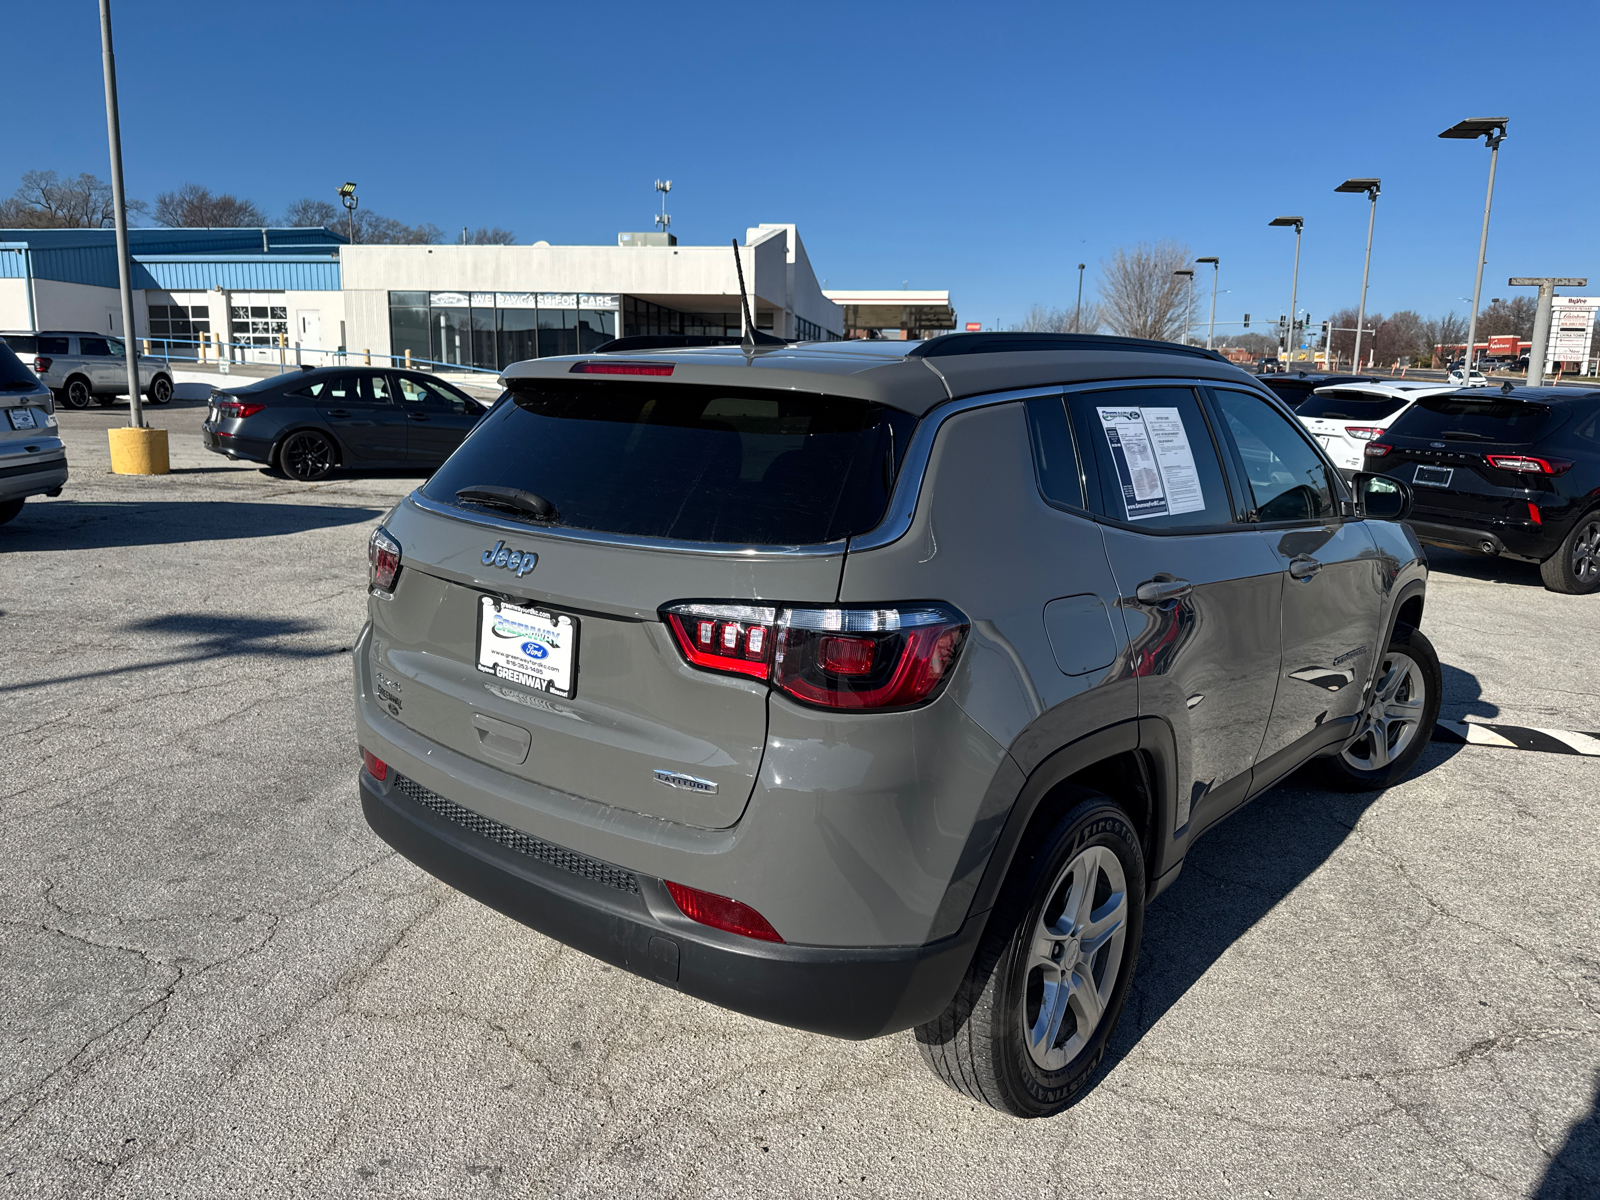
pixel 1397 336
pixel 1139 294
pixel 1260 345
pixel 1041 318
pixel 306 212
pixel 46 201
pixel 482 236
pixel 1439 335
pixel 194 207
pixel 1500 318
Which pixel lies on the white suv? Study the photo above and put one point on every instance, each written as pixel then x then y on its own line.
pixel 1346 416
pixel 84 367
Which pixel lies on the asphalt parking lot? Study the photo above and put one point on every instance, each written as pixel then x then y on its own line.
pixel 214 981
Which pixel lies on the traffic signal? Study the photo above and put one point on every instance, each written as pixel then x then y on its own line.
pixel 1325 325
pixel 1247 320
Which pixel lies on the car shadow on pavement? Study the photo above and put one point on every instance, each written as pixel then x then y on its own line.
pixel 1463 696
pixel 1574 1172
pixel 204 637
pixel 1489 569
pixel 1238 872
pixel 91 525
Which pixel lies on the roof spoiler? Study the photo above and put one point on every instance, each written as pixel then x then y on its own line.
pixel 1012 343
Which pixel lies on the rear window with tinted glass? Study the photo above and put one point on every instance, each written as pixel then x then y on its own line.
pixel 13 375
pixel 1450 420
pixel 689 462
pixel 1350 406
pixel 22 343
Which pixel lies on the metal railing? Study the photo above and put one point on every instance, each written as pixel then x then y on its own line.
pixel 214 352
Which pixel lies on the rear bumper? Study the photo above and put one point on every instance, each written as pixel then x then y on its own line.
pixel 33 476
pixel 1522 540
pixel 844 992
pixel 253 449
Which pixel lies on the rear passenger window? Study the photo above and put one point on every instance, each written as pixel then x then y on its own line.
pixel 1055 460
pixel 52 345
pixel 1155 459
pixel 94 347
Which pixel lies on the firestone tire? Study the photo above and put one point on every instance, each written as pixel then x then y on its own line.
pixel 1030 1022
pixel 1574 570
pixel 1398 722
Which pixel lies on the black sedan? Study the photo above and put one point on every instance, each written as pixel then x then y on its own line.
pixel 311 423
pixel 1508 471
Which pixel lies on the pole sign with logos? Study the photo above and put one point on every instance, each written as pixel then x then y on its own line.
pixel 1571 329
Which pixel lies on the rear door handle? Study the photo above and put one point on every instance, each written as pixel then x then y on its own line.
pixel 338 412
pixel 1162 589
pixel 418 416
pixel 1304 568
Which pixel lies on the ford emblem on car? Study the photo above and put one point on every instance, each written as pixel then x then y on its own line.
pixel 687 783
pixel 1437 445
pixel 520 561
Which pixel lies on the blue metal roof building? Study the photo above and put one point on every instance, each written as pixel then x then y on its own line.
pixel 192 259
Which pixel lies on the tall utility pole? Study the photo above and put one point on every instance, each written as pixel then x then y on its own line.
pixel 1211 331
pixel 1371 187
pixel 1188 312
pixel 119 204
pixel 1294 285
pixel 1077 321
pixel 1493 131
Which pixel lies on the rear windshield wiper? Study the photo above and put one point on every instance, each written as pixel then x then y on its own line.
pixel 517 500
pixel 1457 435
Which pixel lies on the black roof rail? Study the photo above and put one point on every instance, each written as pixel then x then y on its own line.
pixel 1011 343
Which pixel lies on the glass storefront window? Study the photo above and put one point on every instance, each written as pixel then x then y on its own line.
pixel 558 333
pixel 451 329
pixel 518 335
pixel 483 335
pixel 408 325
pixel 594 329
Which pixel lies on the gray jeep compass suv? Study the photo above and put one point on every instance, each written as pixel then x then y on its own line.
pixel 870 686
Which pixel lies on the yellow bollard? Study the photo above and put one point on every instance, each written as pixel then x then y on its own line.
pixel 138 451
pixel 408 359
pixel 368 353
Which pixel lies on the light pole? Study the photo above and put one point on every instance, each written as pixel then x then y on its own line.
pixel 1371 188
pixel 347 195
pixel 1188 312
pixel 1493 131
pixel 119 204
pixel 1077 321
pixel 1294 285
pixel 1211 332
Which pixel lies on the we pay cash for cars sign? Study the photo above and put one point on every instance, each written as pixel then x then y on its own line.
pixel 1154 463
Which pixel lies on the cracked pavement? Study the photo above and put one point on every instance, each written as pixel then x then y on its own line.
pixel 214 981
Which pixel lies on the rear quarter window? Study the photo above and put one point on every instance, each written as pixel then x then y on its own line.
pixel 688 462
pixel 13 375
pixel 22 343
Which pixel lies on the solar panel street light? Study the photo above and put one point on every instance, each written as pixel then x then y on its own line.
pixel 1215 266
pixel 1371 187
pixel 1493 131
pixel 1294 284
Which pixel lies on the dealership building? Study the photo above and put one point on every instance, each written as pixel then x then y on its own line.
pixel 306 295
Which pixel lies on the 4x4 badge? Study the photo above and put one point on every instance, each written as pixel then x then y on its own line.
pixel 520 561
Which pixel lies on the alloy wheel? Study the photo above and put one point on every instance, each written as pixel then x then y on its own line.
pixel 1393 715
pixel 1074 957
pixel 1586 553
pixel 307 456
pixel 78 394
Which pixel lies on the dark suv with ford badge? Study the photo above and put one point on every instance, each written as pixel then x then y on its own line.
pixel 870 686
pixel 1509 471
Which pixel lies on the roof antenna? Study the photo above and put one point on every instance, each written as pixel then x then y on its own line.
pixel 753 337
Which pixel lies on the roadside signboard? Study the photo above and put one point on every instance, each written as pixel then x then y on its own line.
pixel 1571 327
pixel 1503 344
pixel 974 326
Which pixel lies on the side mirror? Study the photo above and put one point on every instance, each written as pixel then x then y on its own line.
pixel 1381 497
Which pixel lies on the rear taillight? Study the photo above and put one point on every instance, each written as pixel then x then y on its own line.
pixel 1364 433
pixel 1525 464
pixel 41 364
pixel 383 560
pixel 719 912
pixel 891 656
pixel 1377 449
pixel 375 766
pixel 232 409
pixel 1533 513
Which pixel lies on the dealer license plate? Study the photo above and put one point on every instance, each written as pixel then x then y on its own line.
pixel 1433 476
pixel 22 418
pixel 529 646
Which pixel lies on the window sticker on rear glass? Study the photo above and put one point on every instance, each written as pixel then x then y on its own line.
pixel 529 646
pixel 1155 466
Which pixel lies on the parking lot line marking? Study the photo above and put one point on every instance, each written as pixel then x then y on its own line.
pixel 1518 737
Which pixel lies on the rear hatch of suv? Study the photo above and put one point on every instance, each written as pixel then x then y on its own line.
pixel 1470 460
pixel 525 627
pixel 1344 420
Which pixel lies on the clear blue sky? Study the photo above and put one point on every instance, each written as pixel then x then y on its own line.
pixel 984 148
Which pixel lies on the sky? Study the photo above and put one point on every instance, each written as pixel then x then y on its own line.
pixel 983 148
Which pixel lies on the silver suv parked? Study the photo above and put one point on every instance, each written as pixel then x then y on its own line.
pixel 33 462
pixel 84 367
pixel 869 686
